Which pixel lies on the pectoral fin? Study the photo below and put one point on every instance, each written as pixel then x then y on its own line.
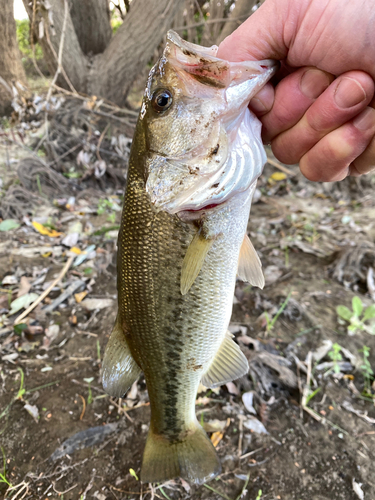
pixel 120 370
pixel 193 261
pixel 229 363
pixel 249 264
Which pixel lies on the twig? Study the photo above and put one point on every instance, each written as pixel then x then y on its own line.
pixel 61 47
pixel 251 453
pixel 62 69
pixel 211 21
pixel 46 292
pixel 84 406
pixel 100 142
pixel 280 167
pixel 121 410
pixel 240 437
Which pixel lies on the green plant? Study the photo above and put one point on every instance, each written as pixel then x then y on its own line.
pixel 3 478
pixel 23 38
pixel 89 397
pixel 358 317
pixel 336 356
pixel 271 322
pixel 367 371
pixel 259 496
pixel 107 205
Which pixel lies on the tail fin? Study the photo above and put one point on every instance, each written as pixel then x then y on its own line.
pixel 194 458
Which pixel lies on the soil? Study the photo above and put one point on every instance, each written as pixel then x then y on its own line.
pixel 299 229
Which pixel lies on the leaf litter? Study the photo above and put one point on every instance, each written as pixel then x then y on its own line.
pixel 316 245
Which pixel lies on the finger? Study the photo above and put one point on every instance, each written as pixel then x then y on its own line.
pixel 262 35
pixel 330 159
pixel 345 98
pixel 263 101
pixel 365 163
pixel 293 96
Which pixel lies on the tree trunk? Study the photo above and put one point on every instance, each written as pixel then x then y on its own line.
pixel 131 48
pixel 74 61
pixel 11 69
pixel 242 10
pixel 92 25
pixel 111 72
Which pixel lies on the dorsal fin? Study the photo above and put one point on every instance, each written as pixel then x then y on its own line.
pixel 249 264
pixel 120 370
pixel 193 261
pixel 229 364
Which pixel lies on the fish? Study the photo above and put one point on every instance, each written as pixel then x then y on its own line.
pixel 195 159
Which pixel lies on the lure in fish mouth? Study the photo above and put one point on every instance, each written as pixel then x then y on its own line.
pixel 195 158
pixel 220 152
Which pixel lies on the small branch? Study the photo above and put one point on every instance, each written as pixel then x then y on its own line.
pixel 61 47
pixel 46 292
pixel 211 21
pixel 280 167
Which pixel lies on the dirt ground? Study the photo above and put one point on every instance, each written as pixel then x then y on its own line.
pixel 309 433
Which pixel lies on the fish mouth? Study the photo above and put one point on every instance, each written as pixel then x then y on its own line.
pixel 193 215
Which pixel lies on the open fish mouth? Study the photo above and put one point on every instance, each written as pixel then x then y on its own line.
pixel 231 155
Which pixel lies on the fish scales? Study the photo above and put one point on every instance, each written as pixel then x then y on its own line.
pixel 192 173
pixel 170 334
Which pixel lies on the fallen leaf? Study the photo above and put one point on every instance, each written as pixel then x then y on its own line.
pixel 247 399
pixel 232 389
pixel 92 304
pixel 25 286
pixel 45 230
pixel 9 224
pixel 278 176
pixel 84 255
pixel 214 425
pixel 76 250
pixel 358 490
pixel 10 357
pixel 33 411
pixel 10 280
pixel 218 436
pixel 254 425
pixel 80 296
pixel 22 302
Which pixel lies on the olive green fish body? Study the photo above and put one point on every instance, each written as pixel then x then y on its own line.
pixel 173 338
pixel 195 158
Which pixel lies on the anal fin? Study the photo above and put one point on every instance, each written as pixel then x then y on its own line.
pixel 249 264
pixel 119 370
pixel 229 364
pixel 193 261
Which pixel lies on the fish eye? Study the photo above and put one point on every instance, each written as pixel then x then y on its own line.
pixel 161 100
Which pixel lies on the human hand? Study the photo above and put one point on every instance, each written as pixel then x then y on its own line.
pixel 321 113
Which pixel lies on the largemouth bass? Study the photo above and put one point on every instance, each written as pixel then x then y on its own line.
pixel 195 159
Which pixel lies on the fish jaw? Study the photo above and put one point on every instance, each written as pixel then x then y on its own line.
pixel 224 157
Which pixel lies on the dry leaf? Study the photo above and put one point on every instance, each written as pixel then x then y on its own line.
pixel 25 286
pixel 232 389
pixel 278 176
pixel 45 230
pixel 80 296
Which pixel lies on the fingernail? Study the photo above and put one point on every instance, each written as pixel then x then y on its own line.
pixel 313 83
pixel 349 92
pixel 257 105
pixel 365 120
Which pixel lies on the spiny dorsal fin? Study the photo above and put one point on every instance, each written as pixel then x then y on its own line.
pixel 249 264
pixel 229 363
pixel 193 261
pixel 120 370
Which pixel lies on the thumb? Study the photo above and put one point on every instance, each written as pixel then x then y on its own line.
pixel 261 36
